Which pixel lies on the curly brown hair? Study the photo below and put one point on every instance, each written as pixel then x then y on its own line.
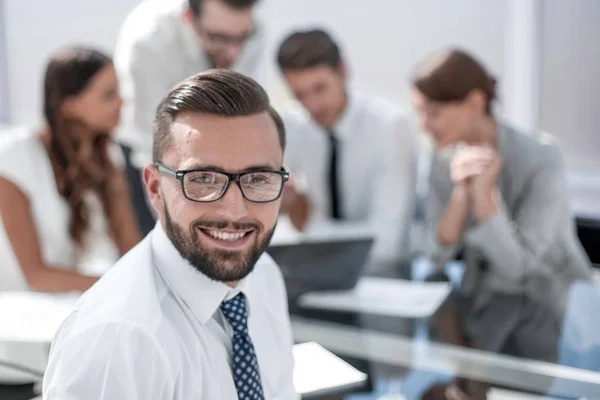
pixel 80 158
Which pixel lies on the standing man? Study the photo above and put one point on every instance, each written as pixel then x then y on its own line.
pixel 196 310
pixel 354 152
pixel 164 42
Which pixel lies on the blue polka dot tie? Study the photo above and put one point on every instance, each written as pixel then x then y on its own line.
pixel 245 365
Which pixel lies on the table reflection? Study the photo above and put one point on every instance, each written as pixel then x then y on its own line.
pixel 453 354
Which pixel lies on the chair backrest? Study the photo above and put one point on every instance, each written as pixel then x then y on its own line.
pixel 579 344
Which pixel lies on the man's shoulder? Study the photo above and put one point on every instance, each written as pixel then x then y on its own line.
pixel 301 130
pixel 267 269
pixel 267 275
pixel 130 294
pixel 152 23
pixel 294 114
pixel 377 106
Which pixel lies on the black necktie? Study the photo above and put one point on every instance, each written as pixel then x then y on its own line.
pixel 334 190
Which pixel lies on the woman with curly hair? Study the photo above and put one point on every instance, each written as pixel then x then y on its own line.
pixel 64 200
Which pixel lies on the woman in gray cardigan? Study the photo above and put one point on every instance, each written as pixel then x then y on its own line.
pixel 498 195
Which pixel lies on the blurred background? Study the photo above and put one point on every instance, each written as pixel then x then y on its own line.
pixel 545 54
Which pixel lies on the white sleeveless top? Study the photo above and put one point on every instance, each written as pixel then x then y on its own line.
pixel 25 162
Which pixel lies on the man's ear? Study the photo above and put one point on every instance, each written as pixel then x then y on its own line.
pixel 152 183
pixel 343 70
pixel 188 15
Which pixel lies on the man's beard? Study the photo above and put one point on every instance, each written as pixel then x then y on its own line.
pixel 217 264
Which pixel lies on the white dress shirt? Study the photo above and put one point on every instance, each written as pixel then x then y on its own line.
pixel 376 170
pixel 156 49
pixel 152 328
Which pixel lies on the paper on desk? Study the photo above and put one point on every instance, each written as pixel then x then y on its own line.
pixel 317 370
pixel 33 317
pixel 383 296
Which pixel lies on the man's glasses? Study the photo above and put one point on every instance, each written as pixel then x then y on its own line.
pixel 225 40
pixel 208 185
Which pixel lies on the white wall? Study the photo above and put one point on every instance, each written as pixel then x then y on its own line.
pixel 570 92
pixel 382 39
pixel 3 72
pixel 571 78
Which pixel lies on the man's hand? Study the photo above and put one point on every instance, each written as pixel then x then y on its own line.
pixel 295 204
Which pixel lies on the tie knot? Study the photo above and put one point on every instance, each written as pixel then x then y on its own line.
pixel 235 312
pixel 332 137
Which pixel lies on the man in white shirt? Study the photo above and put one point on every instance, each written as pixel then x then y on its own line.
pixel 164 42
pixel 353 152
pixel 196 310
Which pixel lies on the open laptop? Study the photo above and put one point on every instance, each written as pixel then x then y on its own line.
pixel 319 265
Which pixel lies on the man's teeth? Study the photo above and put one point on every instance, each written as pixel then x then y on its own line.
pixel 226 235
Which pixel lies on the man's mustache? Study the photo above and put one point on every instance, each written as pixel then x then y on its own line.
pixel 224 224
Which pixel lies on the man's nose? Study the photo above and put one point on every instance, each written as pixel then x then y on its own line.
pixel 232 205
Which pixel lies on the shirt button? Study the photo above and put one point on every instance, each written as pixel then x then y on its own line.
pixel 512 226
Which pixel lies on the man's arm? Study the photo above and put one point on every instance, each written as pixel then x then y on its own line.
pixel 106 362
pixel 144 81
pixel 295 199
pixel 395 197
pixel 254 58
pixel 296 204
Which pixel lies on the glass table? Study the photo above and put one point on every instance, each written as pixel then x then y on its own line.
pixel 406 358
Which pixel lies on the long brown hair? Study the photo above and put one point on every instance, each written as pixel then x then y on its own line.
pixel 80 157
pixel 451 75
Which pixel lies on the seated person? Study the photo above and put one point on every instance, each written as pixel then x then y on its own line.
pixel 500 196
pixel 197 310
pixel 354 151
pixel 63 199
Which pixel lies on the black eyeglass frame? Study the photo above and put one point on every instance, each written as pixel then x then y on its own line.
pixel 180 176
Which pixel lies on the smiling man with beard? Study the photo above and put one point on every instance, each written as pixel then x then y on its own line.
pixel 197 310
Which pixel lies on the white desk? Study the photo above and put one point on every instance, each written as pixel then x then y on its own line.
pixel 28 322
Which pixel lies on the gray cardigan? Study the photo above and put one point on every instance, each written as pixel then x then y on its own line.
pixel 530 245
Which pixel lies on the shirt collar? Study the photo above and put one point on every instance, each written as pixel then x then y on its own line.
pixel 201 294
pixel 343 127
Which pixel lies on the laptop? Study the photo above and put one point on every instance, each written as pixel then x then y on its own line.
pixel 309 266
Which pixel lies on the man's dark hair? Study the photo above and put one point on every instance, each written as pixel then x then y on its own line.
pixel 308 49
pixel 196 5
pixel 218 92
